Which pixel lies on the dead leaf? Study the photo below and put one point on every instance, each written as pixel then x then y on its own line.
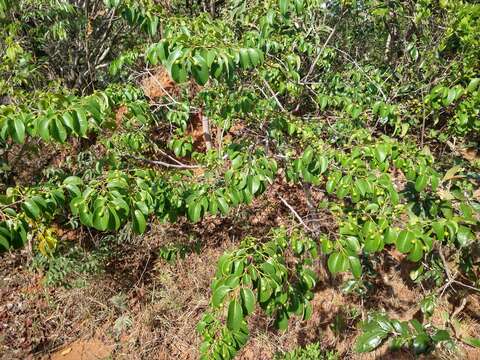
pixel 66 351
pixel 445 195
pixel 476 194
pixel 470 154
pixel 450 174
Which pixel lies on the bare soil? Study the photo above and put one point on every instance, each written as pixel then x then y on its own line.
pixel 141 307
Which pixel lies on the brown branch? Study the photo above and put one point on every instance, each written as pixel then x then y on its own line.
pixel 206 131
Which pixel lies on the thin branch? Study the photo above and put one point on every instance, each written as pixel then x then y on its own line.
pixel 364 73
pixel 168 165
pixel 451 279
pixel 312 67
pixel 170 157
pixel 300 220
pixel 206 131
pixel 274 95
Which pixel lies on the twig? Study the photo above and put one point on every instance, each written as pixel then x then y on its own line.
pixel 451 279
pixel 170 157
pixel 459 309
pixel 312 67
pixel 296 214
pixel 274 95
pixel 364 73
pixel 168 165
pixel 445 264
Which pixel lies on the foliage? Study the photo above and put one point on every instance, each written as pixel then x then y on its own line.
pixel 184 110
pixel 257 273
pixel 310 352
pixel 413 334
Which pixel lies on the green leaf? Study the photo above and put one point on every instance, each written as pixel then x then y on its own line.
pixel 101 217
pixel 441 335
pixel 439 229
pixel 213 205
pixel 219 295
pixel 200 70
pixel 370 340
pixel 152 25
pixel 307 312
pixel 93 107
pixel 330 186
pixel 86 217
pixel 254 56
pixel 390 236
pixel 281 320
pixel 283 4
pixel 17 130
pixel 69 121
pixel 81 122
pixel 337 262
pixel 4 244
pixel 31 209
pixel 235 315
pixel 416 253
pixel 244 58
pixel 373 243
pixel 420 343
pixel 178 73
pixel 264 290
pixel 73 180
pixel 464 235
pixel 355 112
pixel 381 153
pixel 139 223
pixel 452 93
pixel 248 300
pixel 362 186
pixel 114 220
pixel 405 241
pixel 475 342
pixel 421 183
pixel 299 6
pixel 223 205
pixel 352 243
pixel 473 85
pixel 194 211
pixel 323 164
pixel 43 126
pixel 355 266
pixel 58 131
pixel 253 184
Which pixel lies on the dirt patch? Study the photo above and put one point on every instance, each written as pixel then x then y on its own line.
pixel 92 349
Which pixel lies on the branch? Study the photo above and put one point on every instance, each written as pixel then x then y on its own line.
pixel 312 67
pixel 296 214
pixel 167 165
pixel 206 131
pixel 364 73
pixel 274 95
pixel 451 279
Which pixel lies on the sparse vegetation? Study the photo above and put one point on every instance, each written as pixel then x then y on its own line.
pixel 291 179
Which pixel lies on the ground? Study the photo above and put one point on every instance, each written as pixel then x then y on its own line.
pixel 139 306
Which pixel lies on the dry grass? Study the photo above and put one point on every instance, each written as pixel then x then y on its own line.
pixel 141 307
